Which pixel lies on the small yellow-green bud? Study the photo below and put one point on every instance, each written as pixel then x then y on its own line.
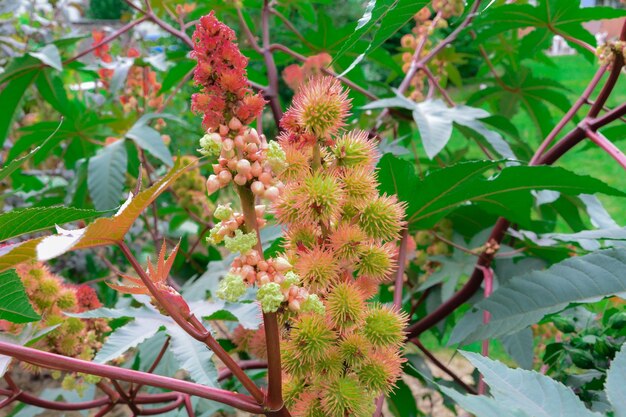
pixel 276 157
pixel 313 304
pixel 223 212
pixel 270 296
pixel 231 287
pixel 291 278
pixel 214 237
pixel 210 144
pixel 241 242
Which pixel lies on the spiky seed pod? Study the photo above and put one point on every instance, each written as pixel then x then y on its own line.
pixel 359 185
pixel 345 305
pixel 241 337
pixel 312 336
pixel 319 198
pixel 292 361
pixel 258 345
pixel 292 389
pixel 345 396
pixel 376 261
pixel 302 236
pixel 49 287
pixel 321 106
pixel 382 217
pixel 354 149
pixel 354 348
pixel 69 345
pixel 308 405
pixel 318 269
pixel 330 366
pixel 73 325
pixel 285 207
pixel 384 327
pixel 346 240
pixel 368 286
pixel 380 370
pixel 67 299
pixel 296 163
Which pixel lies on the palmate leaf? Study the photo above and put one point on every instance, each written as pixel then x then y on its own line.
pixel 506 194
pixel 616 383
pixel 526 299
pixel 102 232
pixel 193 356
pixel 18 222
pixel 535 394
pixel 560 17
pixel 107 172
pixel 127 337
pixel 481 405
pixel 381 19
pixel 14 304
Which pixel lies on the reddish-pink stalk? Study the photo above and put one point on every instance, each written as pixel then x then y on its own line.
pixel 274 400
pixel 607 146
pixel 192 326
pixel 53 361
pixel 488 279
pixel 272 72
pixel 399 282
pixel 226 373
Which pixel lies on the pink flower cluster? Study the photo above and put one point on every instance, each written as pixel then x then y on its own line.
pixel 221 71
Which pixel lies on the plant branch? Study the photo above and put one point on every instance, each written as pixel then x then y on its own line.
pixel 443 367
pixel 397 291
pixel 53 361
pixel 245 365
pixel 607 146
pixel 272 72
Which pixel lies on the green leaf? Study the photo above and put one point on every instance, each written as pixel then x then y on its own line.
pixel 127 337
pixel 16 163
pixel 10 97
pixel 102 232
pixel 175 74
pixel 14 304
pixel 382 18
pixel 193 356
pixel 50 56
pixel 401 401
pixel 536 394
pixel 149 139
pixel 506 194
pixel 107 172
pixel 18 222
pixel 481 405
pixel 527 298
pixel 560 17
pixel 616 383
pixel 519 346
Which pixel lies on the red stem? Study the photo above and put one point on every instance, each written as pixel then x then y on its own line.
pixel 272 73
pixel 607 146
pixel 397 290
pixel 249 364
pixel 53 361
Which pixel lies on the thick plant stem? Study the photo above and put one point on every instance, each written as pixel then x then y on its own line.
pixel 274 400
pixel 193 326
pixel 607 146
pixel 53 361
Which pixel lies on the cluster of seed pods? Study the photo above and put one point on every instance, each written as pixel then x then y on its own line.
pixel 242 159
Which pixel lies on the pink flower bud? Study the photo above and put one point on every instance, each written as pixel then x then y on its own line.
pixel 266 178
pixel 281 264
pixel 294 305
pixel 224 177
pixel 232 164
pixel 271 193
pixel 217 168
pixel 252 148
pixel 239 143
pixel 252 137
pixel 240 179
pixel 259 210
pixel 212 184
pixel 257 169
pixel 235 124
pixel 223 130
pixel 243 166
pixel 228 145
pixel 262 265
pixel 257 188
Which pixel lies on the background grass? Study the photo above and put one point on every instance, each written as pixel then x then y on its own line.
pixel 574 72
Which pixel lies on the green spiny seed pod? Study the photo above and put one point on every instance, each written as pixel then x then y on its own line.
pixel 66 300
pixel 354 348
pixel 309 404
pixel 359 185
pixel 312 336
pixel 319 198
pixel 345 396
pixel 380 370
pixel 381 218
pixel 346 241
pixel 292 389
pixel 376 261
pixel 292 361
pixel 345 305
pixel 354 149
pixel 49 287
pixel 302 236
pixel 384 326
pixel 330 366
pixel 74 325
